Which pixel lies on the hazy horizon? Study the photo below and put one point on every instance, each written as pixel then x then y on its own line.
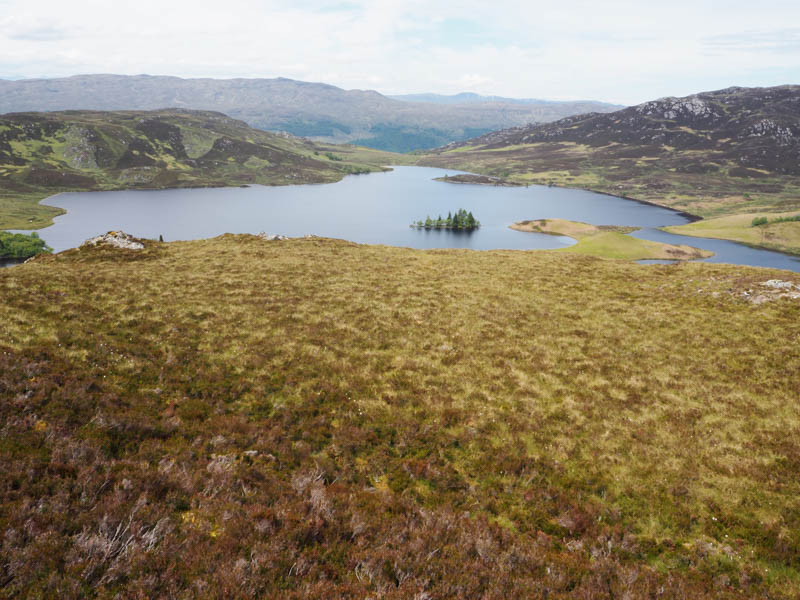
pixel 387 94
pixel 620 52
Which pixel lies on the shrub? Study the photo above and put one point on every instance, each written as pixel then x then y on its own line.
pixel 19 245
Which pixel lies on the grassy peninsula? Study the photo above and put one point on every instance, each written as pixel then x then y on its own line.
pixel 778 231
pixel 610 241
pixel 42 154
pixel 316 419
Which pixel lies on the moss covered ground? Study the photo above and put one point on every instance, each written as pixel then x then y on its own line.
pixel 318 419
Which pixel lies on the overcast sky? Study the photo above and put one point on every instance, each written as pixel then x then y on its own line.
pixel 618 50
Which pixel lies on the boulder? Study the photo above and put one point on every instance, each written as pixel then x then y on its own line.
pixel 272 237
pixel 779 285
pixel 116 239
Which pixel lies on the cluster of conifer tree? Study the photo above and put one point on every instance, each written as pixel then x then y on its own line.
pixel 461 219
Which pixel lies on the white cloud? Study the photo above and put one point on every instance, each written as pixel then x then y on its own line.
pixel 619 50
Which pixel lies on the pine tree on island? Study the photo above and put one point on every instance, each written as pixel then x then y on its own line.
pixel 461 220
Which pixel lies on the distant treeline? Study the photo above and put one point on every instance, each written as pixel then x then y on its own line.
pixel 19 245
pixel 764 221
pixel 461 220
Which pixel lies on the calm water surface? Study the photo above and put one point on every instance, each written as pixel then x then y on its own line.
pixel 10 262
pixel 372 209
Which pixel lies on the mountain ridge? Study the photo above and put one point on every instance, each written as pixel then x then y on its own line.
pixel 665 121
pixel 471 97
pixel 316 110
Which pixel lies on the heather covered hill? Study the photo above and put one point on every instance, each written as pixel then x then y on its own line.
pixel 314 110
pixel 730 151
pixel 756 128
pixel 45 153
pixel 239 418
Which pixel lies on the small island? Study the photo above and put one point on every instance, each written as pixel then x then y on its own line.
pixel 461 220
pixel 478 180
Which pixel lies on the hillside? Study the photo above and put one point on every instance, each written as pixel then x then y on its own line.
pixel 315 110
pixel 712 154
pixel 237 418
pixel 45 153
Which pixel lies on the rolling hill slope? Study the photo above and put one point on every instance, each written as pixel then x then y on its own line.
pixel 44 153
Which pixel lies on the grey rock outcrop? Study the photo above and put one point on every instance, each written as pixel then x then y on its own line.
pixel 272 237
pixel 116 239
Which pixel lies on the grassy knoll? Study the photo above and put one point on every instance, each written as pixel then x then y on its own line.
pixel 610 241
pixel 317 419
pixel 782 236
pixel 42 154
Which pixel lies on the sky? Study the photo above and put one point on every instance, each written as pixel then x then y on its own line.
pixel 619 51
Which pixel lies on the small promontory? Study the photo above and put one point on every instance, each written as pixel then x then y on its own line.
pixel 610 241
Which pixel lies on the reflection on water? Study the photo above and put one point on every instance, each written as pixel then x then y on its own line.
pixel 10 262
pixel 725 251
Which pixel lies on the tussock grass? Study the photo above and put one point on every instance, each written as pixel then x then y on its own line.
pixel 318 419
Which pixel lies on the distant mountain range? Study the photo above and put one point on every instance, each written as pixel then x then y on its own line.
pixel 731 150
pixel 586 106
pixel 314 110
